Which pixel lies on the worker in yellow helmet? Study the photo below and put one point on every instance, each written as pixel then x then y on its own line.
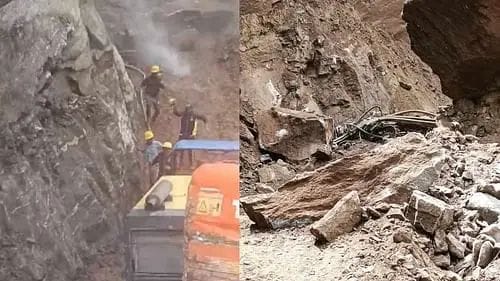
pixel 164 159
pixel 189 121
pixel 151 151
pixel 152 85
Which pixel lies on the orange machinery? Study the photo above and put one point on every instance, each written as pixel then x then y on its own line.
pixel 212 224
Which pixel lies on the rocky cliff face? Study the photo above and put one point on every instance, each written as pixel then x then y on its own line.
pixel 461 46
pixel 68 112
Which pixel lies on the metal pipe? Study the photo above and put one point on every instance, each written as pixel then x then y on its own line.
pixel 156 199
pixel 141 100
pixel 414 111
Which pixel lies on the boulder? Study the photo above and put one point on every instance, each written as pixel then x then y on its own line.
pixel 310 195
pixel 344 216
pixel 69 117
pixel 294 134
pixel 487 205
pixel 428 213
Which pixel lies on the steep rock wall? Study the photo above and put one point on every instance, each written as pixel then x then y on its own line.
pixel 461 46
pixel 68 167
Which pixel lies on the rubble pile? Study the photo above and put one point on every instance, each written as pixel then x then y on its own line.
pixel 444 185
pixel 324 58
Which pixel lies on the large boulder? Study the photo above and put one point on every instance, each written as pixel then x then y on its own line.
pixel 293 134
pixel 309 196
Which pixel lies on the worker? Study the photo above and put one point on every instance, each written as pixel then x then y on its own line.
pixel 164 159
pixel 189 121
pixel 151 151
pixel 151 87
pixel 188 128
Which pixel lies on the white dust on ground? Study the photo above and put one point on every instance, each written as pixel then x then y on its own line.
pixel 368 254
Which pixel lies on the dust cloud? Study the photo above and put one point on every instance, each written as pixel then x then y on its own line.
pixel 151 41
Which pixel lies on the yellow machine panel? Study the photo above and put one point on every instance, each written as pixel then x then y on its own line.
pixel 180 186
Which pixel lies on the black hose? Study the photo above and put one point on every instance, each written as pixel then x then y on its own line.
pixel 368 111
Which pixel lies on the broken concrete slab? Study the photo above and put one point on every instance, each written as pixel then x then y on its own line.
pixel 429 213
pixel 341 219
pixel 487 205
pixel 294 134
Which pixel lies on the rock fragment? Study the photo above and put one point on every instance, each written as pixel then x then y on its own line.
pixel 263 188
pixel 373 213
pixel 485 254
pixel 428 213
pixel 396 213
pixel 402 236
pixel 275 173
pixel 456 248
pixel 440 245
pixel 382 207
pixel 294 134
pixel 442 260
pixel 342 218
pixel 487 205
pixel 491 189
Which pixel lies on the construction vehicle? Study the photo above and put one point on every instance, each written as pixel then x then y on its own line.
pixel 154 228
pixel 212 224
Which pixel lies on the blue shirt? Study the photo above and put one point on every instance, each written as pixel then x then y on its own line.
pixel 152 151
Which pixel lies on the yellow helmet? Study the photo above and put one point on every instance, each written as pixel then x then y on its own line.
pixel 148 135
pixel 155 69
pixel 167 145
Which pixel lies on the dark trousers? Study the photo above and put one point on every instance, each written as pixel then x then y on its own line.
pixel 188 153
pixel 151 102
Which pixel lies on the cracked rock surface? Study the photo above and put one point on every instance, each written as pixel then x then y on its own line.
pixel 68 167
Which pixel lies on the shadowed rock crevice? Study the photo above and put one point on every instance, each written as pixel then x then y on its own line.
pixel 460 44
